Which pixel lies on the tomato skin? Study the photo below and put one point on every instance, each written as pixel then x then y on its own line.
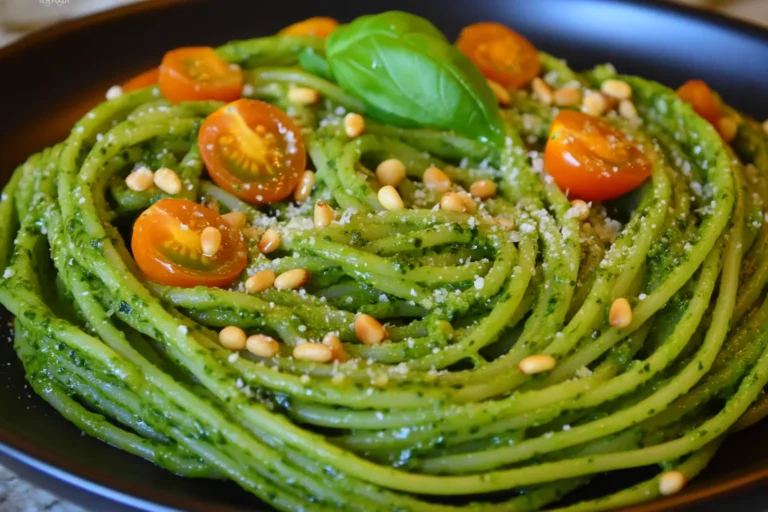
pixel 253 150
pixel 166 245
pixel 142 80
pixel 197 73
pixel 318 26
pixel 591 159
pixel 500 53
pixel 702 99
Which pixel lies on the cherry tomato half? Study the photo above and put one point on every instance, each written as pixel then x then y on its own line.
pixel 167 248
pixel 319 26
pixel 253 150
pixel 142 80
pixel 591 159
pixel 198 73
pixel 500 53
pixel 702 99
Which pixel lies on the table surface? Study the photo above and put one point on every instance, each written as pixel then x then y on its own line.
pixel 17 17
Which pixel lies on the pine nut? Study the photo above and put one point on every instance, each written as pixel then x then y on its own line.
pixel 483 189
pixel 671 482
pixel 250 233
pixel 390 172
pixel 765 126
pixel 291 279
pixel 235 219
pixel 542 91
pixel 390 198
pixel 505 223
pixel 260 281
pixel 337 349
pixel 354 125
pixel 581 208
pixel 567 97
pixel 728 128
pixel 618 89
pixel 232 338
pixel 303 96
pixel 536 364
pixel 210 240
pixel 270 241
pixel 435 179
pixel 324 214
pixel 627 109
pixel 168 181
pixel 593 104
pixel 620 315
pixel 262 345
pixel 452 202
pixel 140 180
pixel 316 352
pixel 469 203
pixel 502 94
pixel 304 188
pixel 369 331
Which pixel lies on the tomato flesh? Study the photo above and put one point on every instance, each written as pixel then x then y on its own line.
pixel 142 80
pixel 591 159
pixel 318 26
pixel 500 53
pixel 198 73
pixel 253 150
pixel 702 99
pixel 167 248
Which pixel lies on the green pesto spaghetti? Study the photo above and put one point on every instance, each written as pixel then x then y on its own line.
pixel 374 270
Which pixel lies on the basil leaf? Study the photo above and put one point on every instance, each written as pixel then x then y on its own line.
pixel 408 74
pixel 313 62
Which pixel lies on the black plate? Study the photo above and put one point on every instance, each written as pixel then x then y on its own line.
pixel 50 79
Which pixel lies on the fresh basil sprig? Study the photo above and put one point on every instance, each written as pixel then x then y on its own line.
pixel 408 74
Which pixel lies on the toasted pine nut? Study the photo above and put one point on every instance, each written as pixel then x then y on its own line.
pixel 232 338
pixel 536 364
pixel 765 126
pixel 260 281
pixel 270 241
pixel 502 94
pixel 337 349
pixel 324 214
pixel 304 188
pixel 505 223
pixel 483 189
pixel 620 315
pixel 291 279
pixel 167 180
pixel 316 352
pixel 542 91
pixel 618 89
pixel 581 208
pixel 210 240
pixel 140 180
pixel 671 482
pixel 250 233
pixel 627 109
pixel 262 345
pixel 390 172
pixel 303 95
pixel 452 202
pixel 469 203
pixel 435 179
pixel 390 198
pixel 354 125
pixel 369 331
pixel 235 219
pixel 593 104
pixel 728 127
pixel 567 97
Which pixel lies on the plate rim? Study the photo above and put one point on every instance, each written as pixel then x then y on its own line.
pixel 88 485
